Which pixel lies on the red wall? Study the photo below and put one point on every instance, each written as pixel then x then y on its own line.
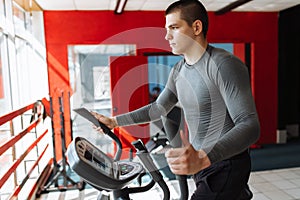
pixel 146 30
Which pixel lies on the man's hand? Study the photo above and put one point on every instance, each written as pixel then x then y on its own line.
pixel 109 122
pixel 186 160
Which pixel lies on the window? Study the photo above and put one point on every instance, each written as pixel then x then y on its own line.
pixel 159 68
pixel 4 76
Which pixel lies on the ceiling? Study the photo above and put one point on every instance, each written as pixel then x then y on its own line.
pixel 211 5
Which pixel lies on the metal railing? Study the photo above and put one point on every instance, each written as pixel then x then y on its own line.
pixel 23 151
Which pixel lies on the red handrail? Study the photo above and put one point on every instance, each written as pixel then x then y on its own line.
pixel 40 113
pixel 19 187
pixel 18 161
pixel 12 115
pixel 16 138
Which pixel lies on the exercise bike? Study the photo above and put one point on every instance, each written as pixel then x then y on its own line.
pixel 112 174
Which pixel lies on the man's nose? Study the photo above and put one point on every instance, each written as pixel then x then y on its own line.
pixel 168 36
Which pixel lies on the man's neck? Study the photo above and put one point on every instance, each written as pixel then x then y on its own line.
pixel 195 52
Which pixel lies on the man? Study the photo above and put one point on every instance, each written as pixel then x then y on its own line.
pixel 212 86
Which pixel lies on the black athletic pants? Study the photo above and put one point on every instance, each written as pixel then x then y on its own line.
pixel 225 180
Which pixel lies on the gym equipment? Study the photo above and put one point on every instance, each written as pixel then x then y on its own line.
pixel 106 173
pixel 99 170
pixel 60 168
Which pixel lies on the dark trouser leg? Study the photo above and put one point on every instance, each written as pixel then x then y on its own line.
pixel 246 194
pixel 224 180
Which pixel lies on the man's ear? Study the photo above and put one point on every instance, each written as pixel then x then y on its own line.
pixel 197 27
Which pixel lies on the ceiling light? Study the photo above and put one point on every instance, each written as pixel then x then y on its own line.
pixel 231 6
pixel 120 6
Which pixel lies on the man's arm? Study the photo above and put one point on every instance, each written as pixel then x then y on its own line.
pixel 236 92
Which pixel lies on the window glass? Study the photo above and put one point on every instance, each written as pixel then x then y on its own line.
pixel 89 72
pixel 19 17
pixel 1 76
pixel 159 68
pixel 2 8
pixel 6 158
pixel 226 46
pixel 22 69
pixel 4 74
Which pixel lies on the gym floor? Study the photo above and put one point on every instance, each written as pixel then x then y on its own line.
pixel 281 184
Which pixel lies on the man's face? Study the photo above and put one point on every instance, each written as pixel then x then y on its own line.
pixel 179 34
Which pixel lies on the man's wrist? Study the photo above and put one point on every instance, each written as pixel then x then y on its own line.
pixel 204 158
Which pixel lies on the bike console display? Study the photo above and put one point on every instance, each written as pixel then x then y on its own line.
pixel 99 170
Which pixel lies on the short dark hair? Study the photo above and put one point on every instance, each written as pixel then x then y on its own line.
pixel 190 11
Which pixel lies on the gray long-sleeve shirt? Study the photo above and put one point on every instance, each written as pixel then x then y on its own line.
pixel 218 106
